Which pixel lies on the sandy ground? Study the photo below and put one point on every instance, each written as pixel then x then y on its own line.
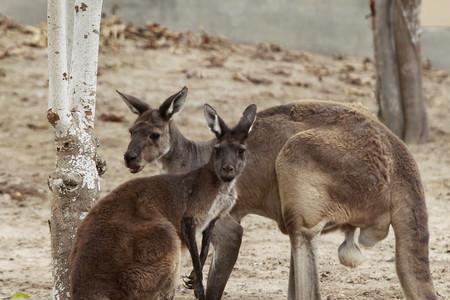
pixel 229 77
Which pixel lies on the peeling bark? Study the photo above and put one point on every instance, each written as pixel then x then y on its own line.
pixel 72 89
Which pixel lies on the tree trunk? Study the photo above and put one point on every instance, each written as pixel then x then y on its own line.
pixel 75 181
pixel 407 41
pixel 387 91
pixel 398 66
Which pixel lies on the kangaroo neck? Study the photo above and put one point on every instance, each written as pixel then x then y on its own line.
pixel 184 155
pixel 203 188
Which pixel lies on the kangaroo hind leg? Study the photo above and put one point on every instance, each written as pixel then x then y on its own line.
pixel 306 279
pixel 302 198
pixel 376 232
pixel 303 277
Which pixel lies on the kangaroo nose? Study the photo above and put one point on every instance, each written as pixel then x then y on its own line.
pixel 228 168
pixel 130 156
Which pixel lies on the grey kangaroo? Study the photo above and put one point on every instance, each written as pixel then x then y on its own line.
pixel 313 167
pixel 129 245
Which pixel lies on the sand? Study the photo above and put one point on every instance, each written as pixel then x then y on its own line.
pixel 228 76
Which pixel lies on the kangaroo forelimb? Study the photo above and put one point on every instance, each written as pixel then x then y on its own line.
pixel 188 229
pixel 206 240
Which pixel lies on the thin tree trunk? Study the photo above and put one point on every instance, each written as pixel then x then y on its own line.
pixel 75 181
pixel 387 90
pixel 407 39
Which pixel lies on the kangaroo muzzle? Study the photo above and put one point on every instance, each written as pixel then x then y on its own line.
pixel 133 161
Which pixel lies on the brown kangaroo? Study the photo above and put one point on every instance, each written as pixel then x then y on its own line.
pixel 313 167
pixel 129 245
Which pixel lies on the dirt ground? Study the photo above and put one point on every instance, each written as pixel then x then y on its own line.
pixel 228 76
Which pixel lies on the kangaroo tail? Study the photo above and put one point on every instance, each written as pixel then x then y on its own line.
pixel 410 222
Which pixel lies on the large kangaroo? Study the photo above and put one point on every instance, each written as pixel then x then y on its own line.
pixel 129 245
pixel 313 167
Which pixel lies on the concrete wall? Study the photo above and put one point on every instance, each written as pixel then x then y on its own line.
pixel 325 26
pixel 435 13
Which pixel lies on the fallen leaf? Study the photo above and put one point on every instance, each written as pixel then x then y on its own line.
pixel 251 78
pixel 239 77
pixel 111 117
pixel 216 61
pixel 281 72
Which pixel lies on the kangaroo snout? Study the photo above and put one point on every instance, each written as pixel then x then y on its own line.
pixel 228 169
pixel 130 156
pixel 228 173
pixel 132 161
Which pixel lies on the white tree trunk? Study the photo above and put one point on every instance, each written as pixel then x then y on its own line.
pixel 58 101
pixel 73 35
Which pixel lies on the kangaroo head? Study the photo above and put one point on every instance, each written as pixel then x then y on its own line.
pixel 150 136
pixel 229 153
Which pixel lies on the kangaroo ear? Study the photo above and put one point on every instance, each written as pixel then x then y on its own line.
pixel 173 104
pixel 214 121
pixel 137 106
pixel 247 120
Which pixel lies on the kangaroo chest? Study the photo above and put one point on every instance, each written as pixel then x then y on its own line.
pixel 222 204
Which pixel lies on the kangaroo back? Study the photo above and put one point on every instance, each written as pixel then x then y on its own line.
pixel 121 254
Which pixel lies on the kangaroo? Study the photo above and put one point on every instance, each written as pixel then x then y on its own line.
pixel 313 167
pixel 129 245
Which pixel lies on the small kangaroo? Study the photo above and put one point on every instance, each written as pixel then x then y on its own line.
pixel 129 245
pixel 313 167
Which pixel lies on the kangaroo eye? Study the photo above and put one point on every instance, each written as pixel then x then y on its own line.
pixel 241 151
pixel 154 136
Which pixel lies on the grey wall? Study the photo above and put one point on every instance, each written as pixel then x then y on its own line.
pixel 325 26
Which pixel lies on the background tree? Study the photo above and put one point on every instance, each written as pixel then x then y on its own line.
pixel 73 38
pixel 398 65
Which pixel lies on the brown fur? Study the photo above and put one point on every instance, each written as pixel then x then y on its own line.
pixel 313 166
pixel 115 255
pixel 128 247
pixel 346 168
pixel 336 163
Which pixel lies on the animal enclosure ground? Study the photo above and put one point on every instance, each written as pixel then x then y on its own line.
pixel 228 76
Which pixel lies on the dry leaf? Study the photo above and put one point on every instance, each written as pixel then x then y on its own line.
pixel 111 117
pixel 216 61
